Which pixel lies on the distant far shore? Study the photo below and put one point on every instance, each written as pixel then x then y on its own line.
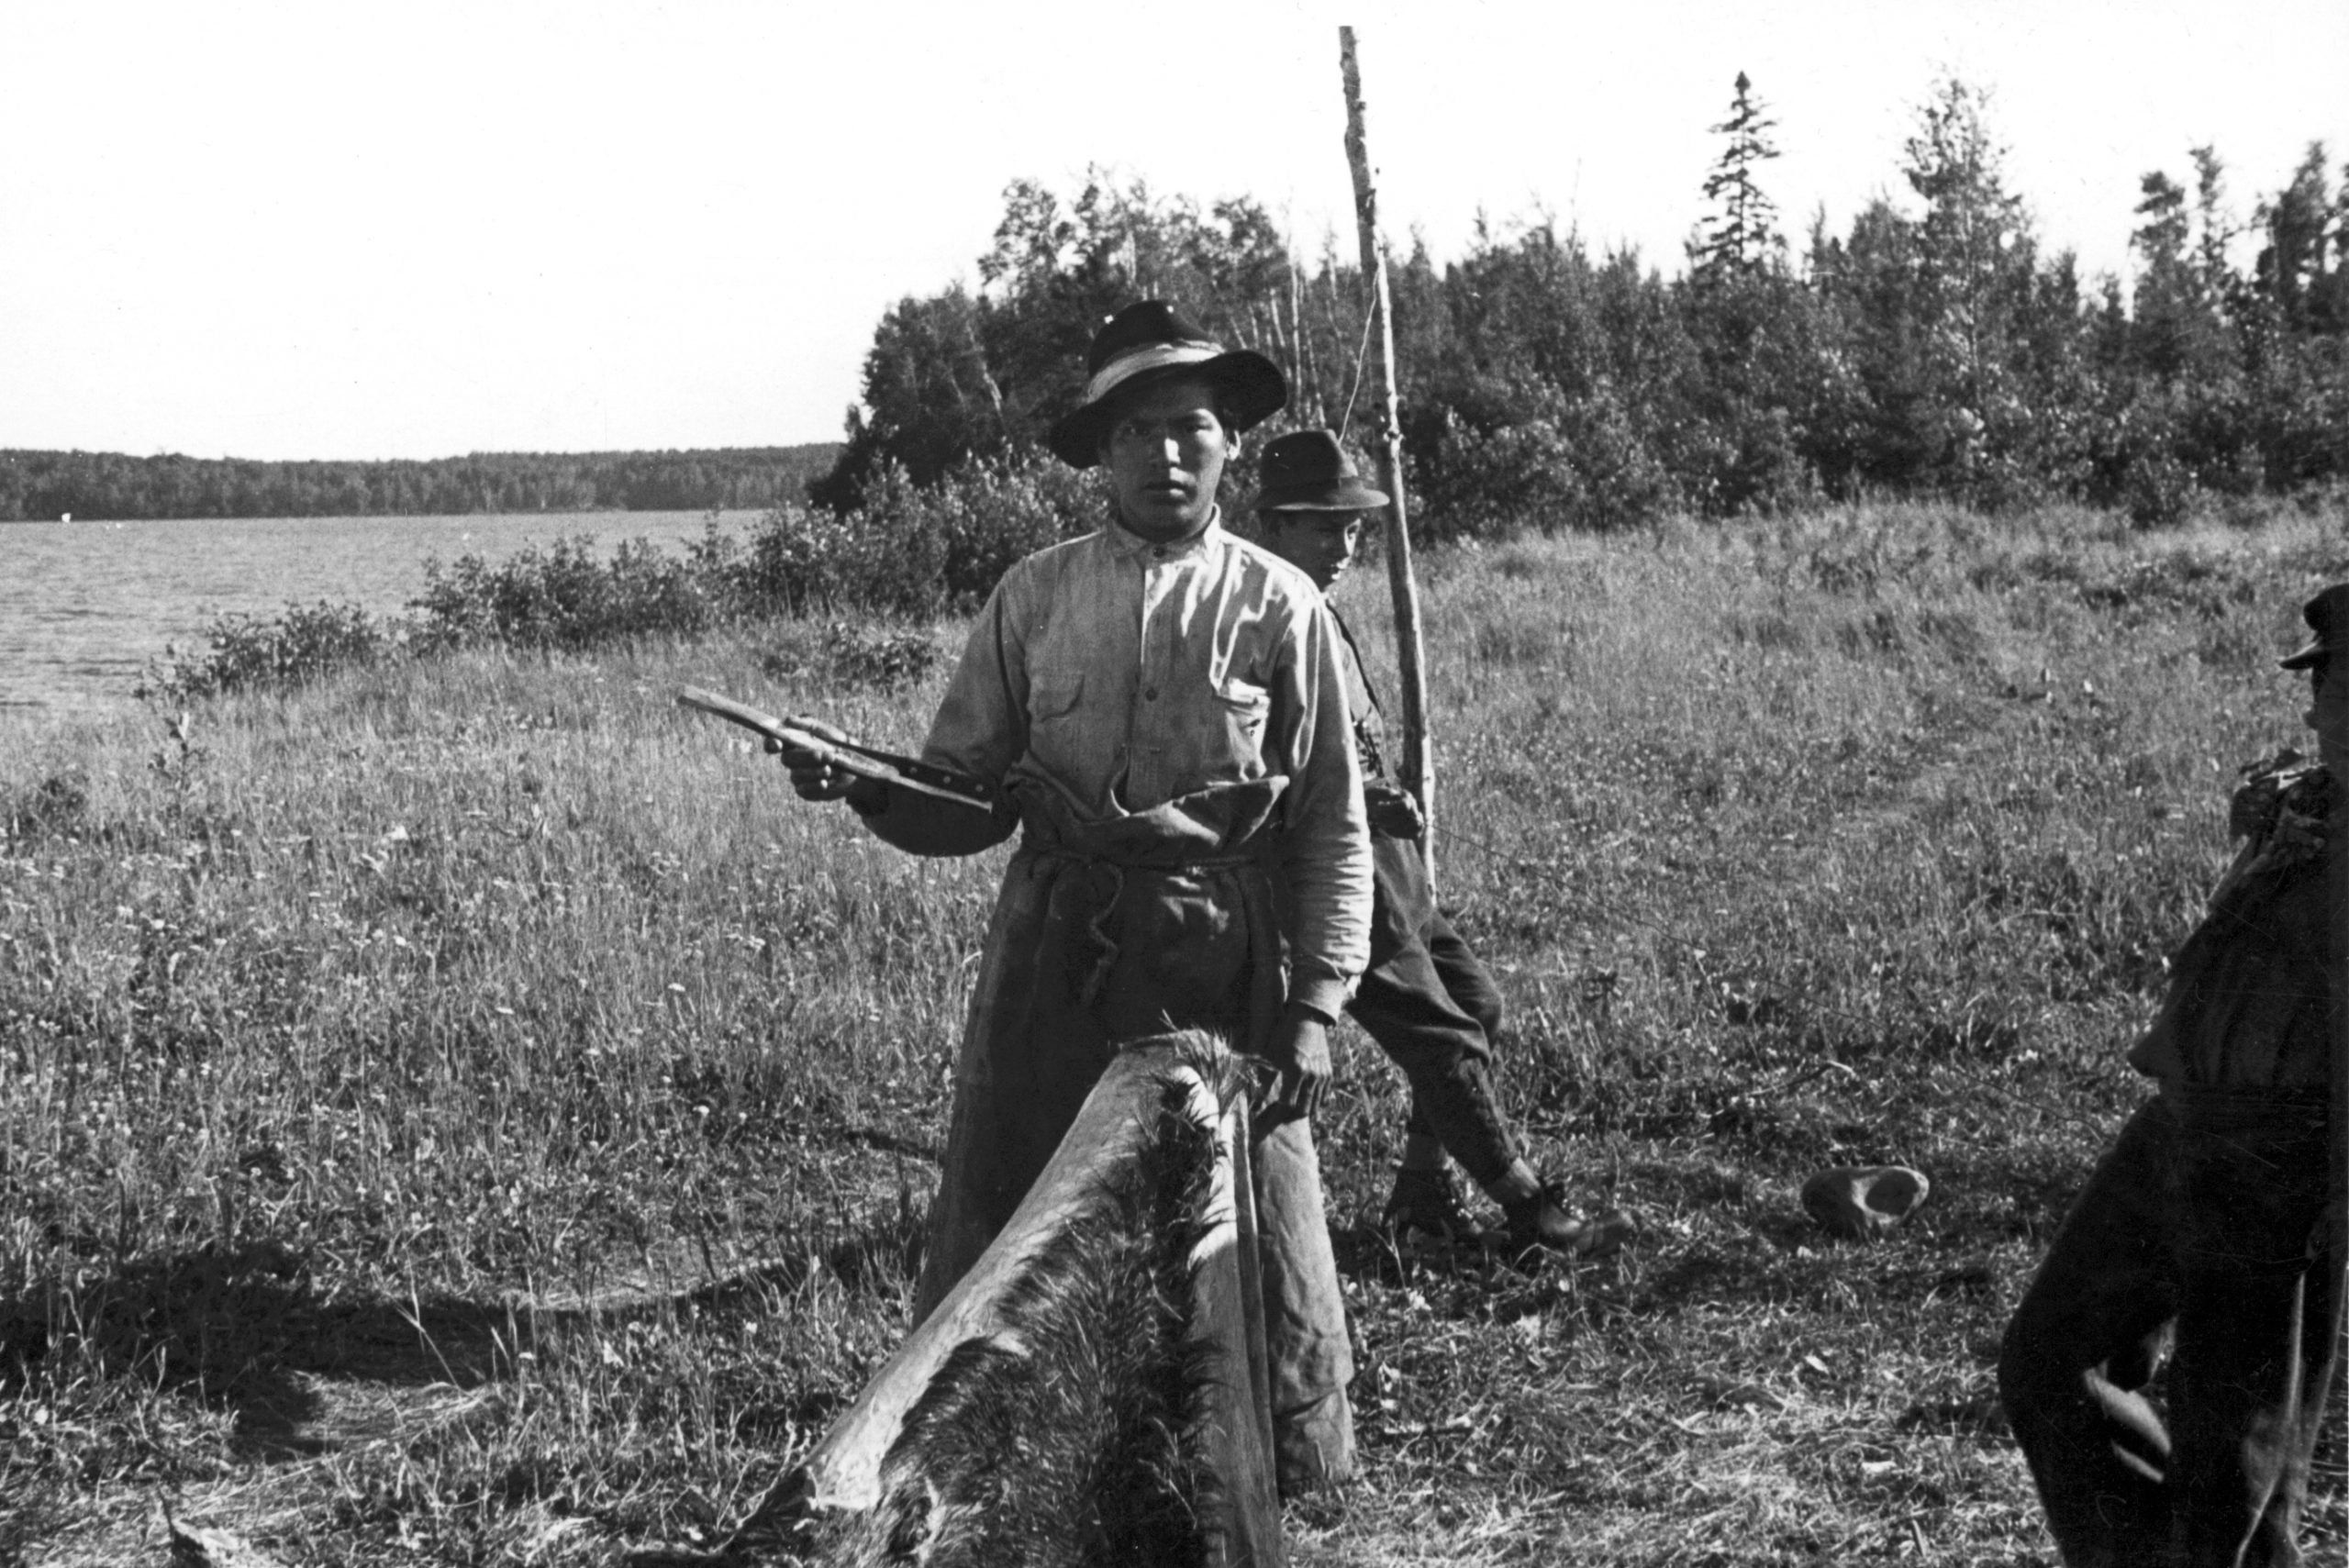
pixel 75 486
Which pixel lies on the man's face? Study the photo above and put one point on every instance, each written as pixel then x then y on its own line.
pixel 1320 544
pixel 2329 715
pixel 1165 452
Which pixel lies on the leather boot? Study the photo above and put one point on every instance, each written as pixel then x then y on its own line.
pixel 1425 1202
pixel 1543 1222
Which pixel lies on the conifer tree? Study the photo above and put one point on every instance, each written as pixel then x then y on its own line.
pixel 2175 325
pixel 2215 229
pixel 1741 236
pixel 1976 260
pixel 2291 274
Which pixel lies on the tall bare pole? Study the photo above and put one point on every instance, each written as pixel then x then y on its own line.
pixel 1419 754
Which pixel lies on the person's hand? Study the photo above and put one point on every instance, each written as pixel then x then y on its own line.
pixel 813 777
pixel 1300 1054
pixel 1393 810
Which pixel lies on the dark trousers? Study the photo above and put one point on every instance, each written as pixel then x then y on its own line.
pixel 1434 1009
pixel 2206 1225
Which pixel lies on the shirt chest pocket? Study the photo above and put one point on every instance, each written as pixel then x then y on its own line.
pixel 1240 710
pixel 1053 699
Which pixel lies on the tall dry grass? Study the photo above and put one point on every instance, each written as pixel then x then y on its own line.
pixel 467 1111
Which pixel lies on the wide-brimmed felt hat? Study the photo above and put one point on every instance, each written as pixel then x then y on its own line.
pixel 2327 618
pixel 1147 343
pixel 1308 471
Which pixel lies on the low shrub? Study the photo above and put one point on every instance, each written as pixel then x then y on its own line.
pixel 884 657
pixel 909 550
pixel 304 643
pixel 566 597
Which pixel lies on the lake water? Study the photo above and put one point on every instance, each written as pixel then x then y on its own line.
pixel 84 606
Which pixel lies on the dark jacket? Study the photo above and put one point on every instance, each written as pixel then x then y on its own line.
pixel 2251 994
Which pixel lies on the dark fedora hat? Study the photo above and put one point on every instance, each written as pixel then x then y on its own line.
pixel 2328 618
pixel 1307 471
pixel 1146 343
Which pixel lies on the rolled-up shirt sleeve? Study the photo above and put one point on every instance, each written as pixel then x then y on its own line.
pixel 1326 839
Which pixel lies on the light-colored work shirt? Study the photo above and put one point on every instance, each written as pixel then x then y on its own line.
pixel 1126 674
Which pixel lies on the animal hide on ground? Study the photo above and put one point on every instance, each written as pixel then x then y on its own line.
pixel 1080 1398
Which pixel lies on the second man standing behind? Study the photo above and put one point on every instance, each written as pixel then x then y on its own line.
pixel 1426 999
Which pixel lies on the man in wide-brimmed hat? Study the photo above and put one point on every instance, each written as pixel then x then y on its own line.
pixel 1161 707
pixel 1426 1000
pixel 2214 1224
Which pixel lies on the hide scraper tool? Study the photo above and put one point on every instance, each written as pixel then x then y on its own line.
pixel 905 772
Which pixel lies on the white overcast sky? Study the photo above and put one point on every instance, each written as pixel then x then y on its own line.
pixel 413 229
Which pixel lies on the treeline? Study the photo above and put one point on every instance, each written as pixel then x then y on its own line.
pixel 42 486
pixel 1933 349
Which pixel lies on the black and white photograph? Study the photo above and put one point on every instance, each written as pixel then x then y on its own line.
pixel 1071 785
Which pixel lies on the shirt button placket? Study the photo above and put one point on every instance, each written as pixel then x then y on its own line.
pixel 1138 727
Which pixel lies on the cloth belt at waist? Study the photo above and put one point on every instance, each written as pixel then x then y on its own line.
pixel 1083 898
pixel 1210 833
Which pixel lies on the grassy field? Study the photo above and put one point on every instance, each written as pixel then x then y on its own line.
pixel 469 1112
